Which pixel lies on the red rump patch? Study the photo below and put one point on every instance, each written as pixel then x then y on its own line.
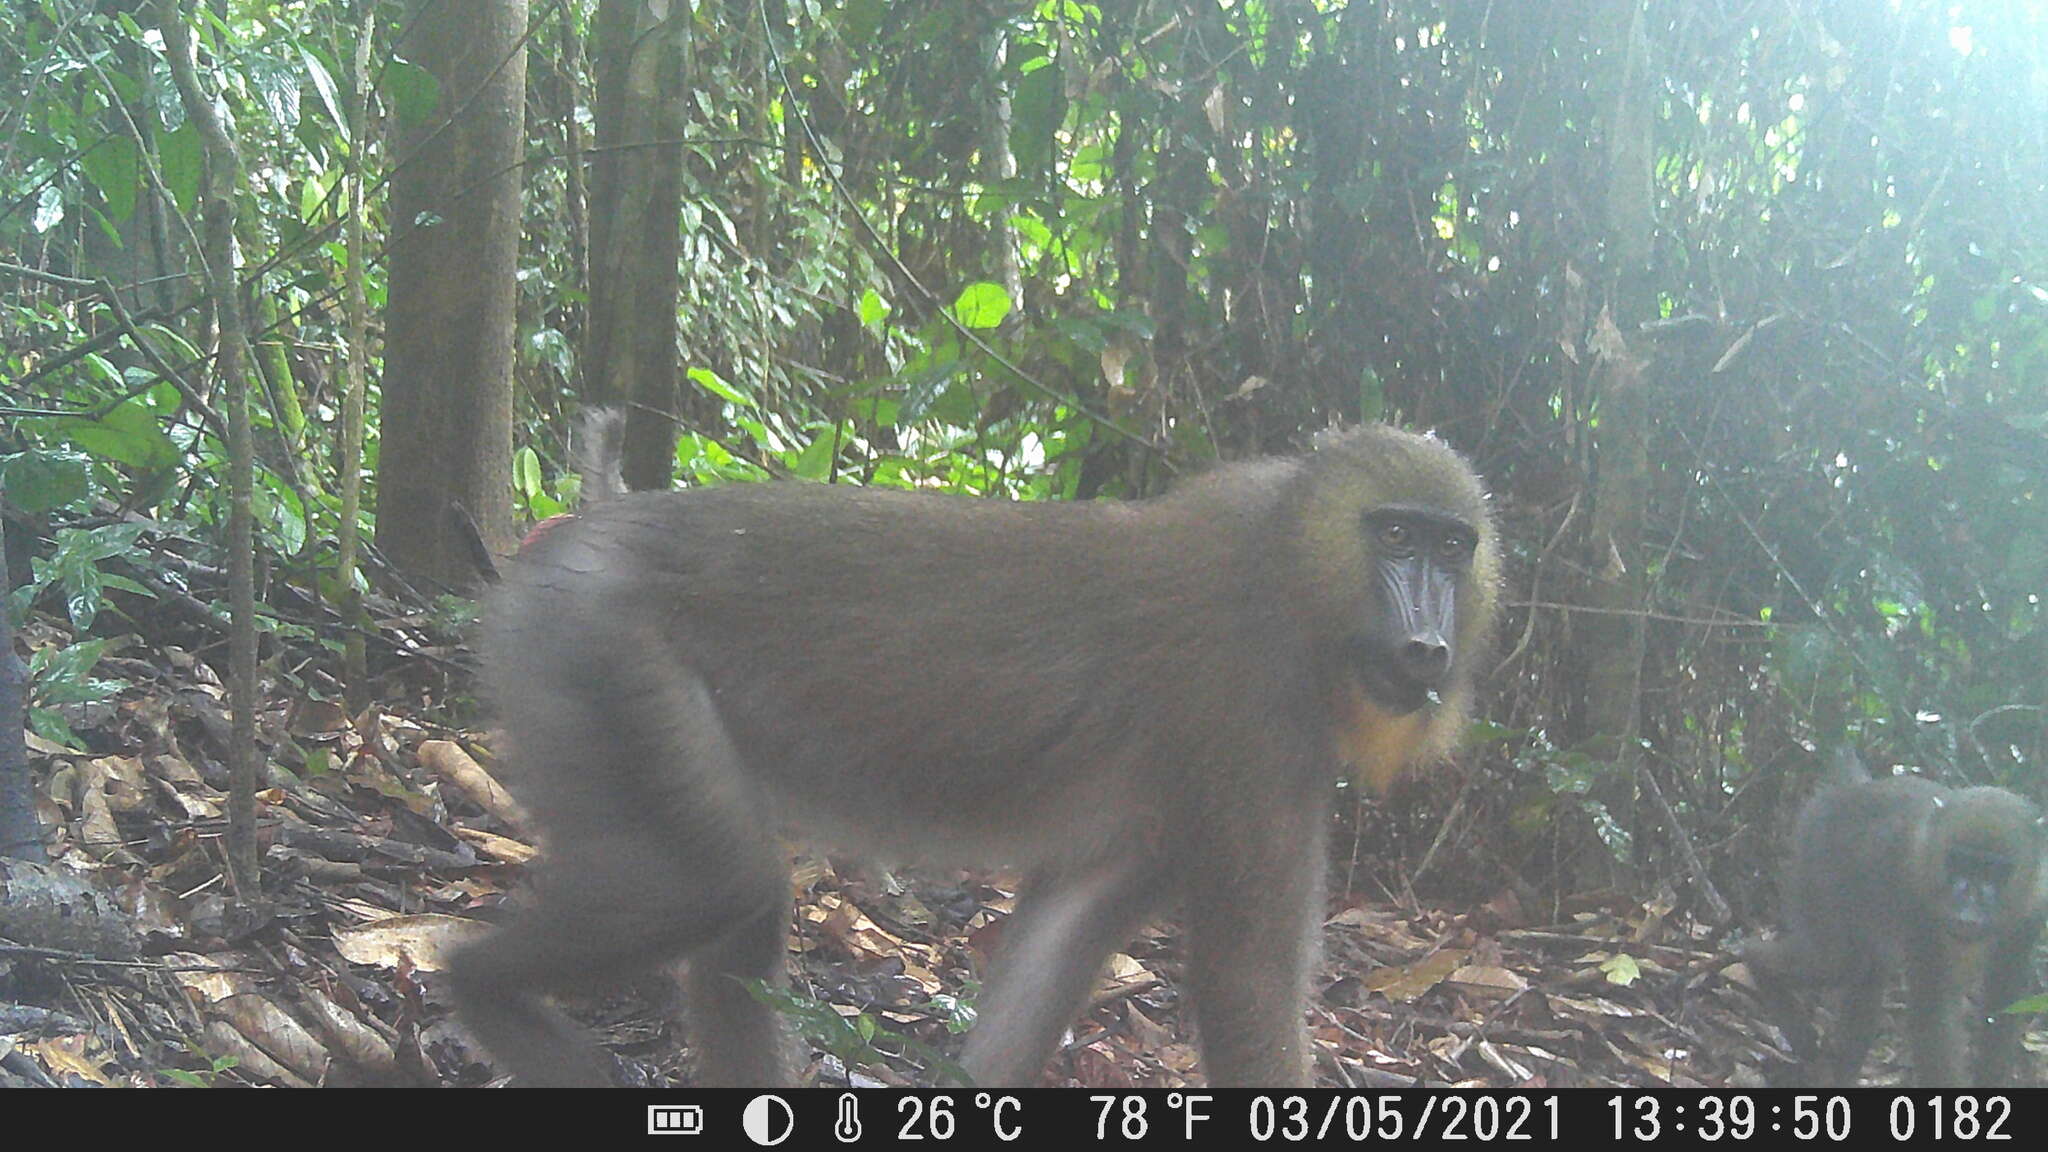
pixel 541 529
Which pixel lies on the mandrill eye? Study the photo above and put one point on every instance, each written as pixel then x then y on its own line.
pixel 1396 536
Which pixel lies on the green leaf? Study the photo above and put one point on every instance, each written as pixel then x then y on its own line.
pixel 82 597
pixel 323 83
pixel 1622 969
pixel 982 304
pixel 53 728
pixel 278 508
pixel 1036 109
pixel 413 91
pixel 49 208
pixel 178 156
pixel 121 583
pixel 713 383
pixel 1486 732
pixel 1372 395
pixel 38 480
pixel 64 675
pixel 115 169
pixel 277 85
pixel 128 434
pixel 873 309
pixel 815 461
pixel 526 473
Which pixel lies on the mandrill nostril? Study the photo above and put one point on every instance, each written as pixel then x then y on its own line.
pixel 1426 658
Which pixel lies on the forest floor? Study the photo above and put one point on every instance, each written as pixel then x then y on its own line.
pixel 386 843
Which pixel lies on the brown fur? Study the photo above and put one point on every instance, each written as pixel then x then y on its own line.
pixel 1141 703
pixel 1870 889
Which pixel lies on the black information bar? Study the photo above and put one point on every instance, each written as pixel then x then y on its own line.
pixel 1154 1118
pixel 1158 1118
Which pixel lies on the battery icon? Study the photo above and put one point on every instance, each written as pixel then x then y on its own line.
pixel 674 1119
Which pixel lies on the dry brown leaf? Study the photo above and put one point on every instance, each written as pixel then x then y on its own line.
pixel 250 1061
pixel 362 1045
pixel 126 783
pixel 502 848
pixel 97 833
pixel 424 940
pixel 1120 972
pixel 1486 980
pixel 447 760
pixel 277 1032
pixel 72 1054
pixel 311 717
pixel 925 977
pixel 204 976
pixel 1407 982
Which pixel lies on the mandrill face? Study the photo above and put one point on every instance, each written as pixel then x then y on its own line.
pixel 1418 560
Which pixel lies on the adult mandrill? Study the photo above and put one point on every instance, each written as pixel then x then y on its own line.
pixel 1141 703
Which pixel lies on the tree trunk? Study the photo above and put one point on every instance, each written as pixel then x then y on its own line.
pixel 355 660
pixel 999 164
pixel 1610 648
pixel 21 837
pixel 449 321
pixel 636 197
pixel 221 182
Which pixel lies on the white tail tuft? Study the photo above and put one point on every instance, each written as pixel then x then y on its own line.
pixel 598 451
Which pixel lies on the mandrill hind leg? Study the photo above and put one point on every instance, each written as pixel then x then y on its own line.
pixel 651 856
pixel 1053 949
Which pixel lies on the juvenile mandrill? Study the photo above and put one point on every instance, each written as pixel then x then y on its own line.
pixel 1902 872
pixel 1143 704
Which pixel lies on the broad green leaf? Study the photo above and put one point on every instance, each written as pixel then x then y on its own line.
pixel 815 461
pixel 1037 108
pixel 277 85
pixel 873 309
pixel 49 208
pixel 52 727
pixel 413 91
pixel 129 434
pixel 121 583
pixel 38 480
pixel 982 304
pixel 114 168
pixel 82 597
pixel 179 158
pixel 526 473
pixel 1622 969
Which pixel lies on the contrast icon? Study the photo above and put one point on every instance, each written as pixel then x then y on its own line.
pixel 767 1120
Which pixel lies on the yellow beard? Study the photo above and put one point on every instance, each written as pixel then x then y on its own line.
pixel 1377 745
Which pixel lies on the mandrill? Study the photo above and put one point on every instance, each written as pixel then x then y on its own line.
pixel 1901 872
pixel 1143 705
